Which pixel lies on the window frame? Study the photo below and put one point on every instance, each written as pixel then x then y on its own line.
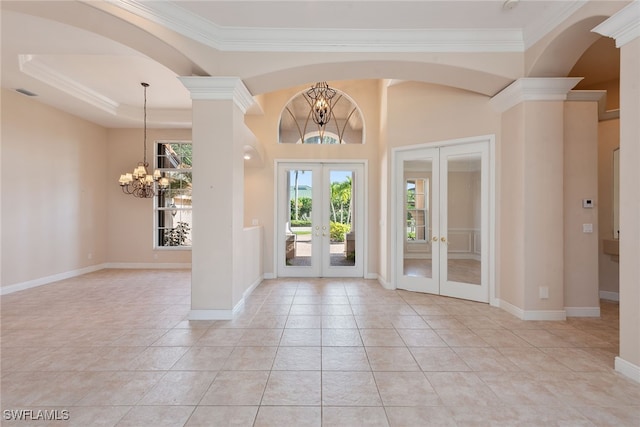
pixel 156 199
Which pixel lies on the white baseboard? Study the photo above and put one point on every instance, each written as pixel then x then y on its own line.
pixel 532 314
pixel 252 287
pixel 384 283
pixel 611 296
pixel 148 265
pixel 582 311
pixel 627 369
pixel 50 279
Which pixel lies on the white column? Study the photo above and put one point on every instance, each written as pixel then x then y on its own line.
pixel 218 133
pixel 531 210
pixel 624 27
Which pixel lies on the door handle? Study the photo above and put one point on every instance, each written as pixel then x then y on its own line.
pixel 444 240
pixel 434 239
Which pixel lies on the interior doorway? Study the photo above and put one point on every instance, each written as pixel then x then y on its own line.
pixel 442 220
pixel 320 220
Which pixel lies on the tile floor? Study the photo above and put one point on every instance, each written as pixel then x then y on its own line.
pixel 114 348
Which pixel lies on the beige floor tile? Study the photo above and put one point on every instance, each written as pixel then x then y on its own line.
pixel 278 416
pixel 461 338
pixel 341 309
pixel 462 389
pixel 354 416
pixel 391 359
pixel 519 416
pixel 244 388
pixel 301 337
pixel 261 337
pixel 116 346
pixel 339 322
pixel 298 359
pixel 427 416
pixel 250 359
pixel 304 322
pixel 405 389
pixel 157 358
pixel 180 337
pixel 381 338
pixel 409 322
pixel 625 416
pixel 288 388
pixel 421 338
pixel 433 359
pixel 485 359
pixel 237 416
pixel 203 359
pixel 305 310
pixel 140 337
pixel 121 388
pixel 95 416
pixel 349 389
pixel 179 388
pixel 532 360
pixel 268 321
pixel 221 337
pixel 341 338
pixel 157 416
pixel 344 359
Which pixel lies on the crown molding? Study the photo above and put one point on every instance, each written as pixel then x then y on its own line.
pixel 32 66
pixel 219 88
pixel 534 89
pixel 241 39
pixel 623 26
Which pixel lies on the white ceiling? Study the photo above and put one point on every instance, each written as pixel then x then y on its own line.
pixel 97 78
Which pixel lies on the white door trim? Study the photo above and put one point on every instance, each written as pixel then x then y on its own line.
pixel 364 201
pixel 491 234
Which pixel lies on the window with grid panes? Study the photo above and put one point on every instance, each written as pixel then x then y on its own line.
pixel 173 219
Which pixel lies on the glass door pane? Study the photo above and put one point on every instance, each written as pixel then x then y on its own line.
pixel 464 218
pixel 342 232
pixel 417 217
pixel 298 221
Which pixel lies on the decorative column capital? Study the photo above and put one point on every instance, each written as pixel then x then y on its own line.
pixel 219 88
pixel 533 89
pixel 623 26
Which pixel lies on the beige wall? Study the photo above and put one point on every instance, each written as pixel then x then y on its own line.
pixel 510 207
pixel 608 141
pixel 580 182
pixel 130 219
pixel 54 211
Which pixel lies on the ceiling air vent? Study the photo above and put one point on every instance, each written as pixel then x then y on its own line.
pixel 26 92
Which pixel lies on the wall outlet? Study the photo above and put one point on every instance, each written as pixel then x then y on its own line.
pixel 544 292
pixel 255 222
pixel 587 228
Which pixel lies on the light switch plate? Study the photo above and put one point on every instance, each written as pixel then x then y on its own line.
pixel 587 228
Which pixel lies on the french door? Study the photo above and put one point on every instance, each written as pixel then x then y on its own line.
pixel 320 220
pixel 442 215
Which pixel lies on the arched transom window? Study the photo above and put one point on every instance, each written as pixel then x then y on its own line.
pixel 345 124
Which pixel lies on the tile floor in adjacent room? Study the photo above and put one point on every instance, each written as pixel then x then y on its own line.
pixel 115 348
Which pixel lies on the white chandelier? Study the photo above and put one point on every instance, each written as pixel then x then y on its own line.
pixel 140 183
